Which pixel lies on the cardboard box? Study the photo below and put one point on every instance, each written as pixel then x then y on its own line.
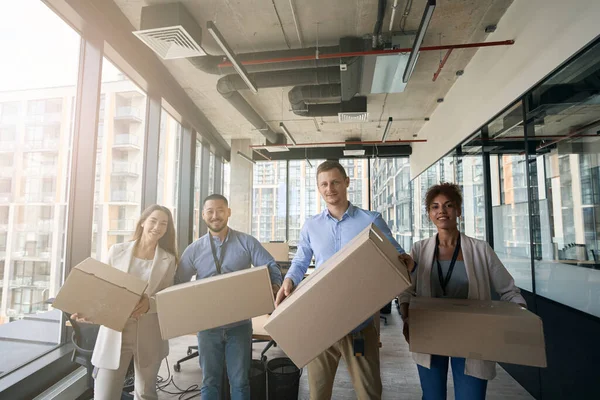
pixel 342 293
pixel 279 251
pixel 483 330
pixel 212 302
pixel 103 294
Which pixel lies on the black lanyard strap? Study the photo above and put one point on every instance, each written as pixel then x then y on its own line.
pixel 218 261
pixel 444 280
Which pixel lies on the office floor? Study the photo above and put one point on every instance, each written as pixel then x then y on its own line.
pixel 398 370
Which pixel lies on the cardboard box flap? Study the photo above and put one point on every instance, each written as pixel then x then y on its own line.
pixel 112 275
pixel 216 278
pixel 389 250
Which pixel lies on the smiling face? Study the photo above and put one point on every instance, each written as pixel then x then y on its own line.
pixel 216 214
pixel 333 187
pixel 155 226
pixel 443 212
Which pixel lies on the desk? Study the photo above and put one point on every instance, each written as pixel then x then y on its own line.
pixel 259 335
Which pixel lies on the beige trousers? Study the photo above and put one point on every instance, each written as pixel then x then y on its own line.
pixel 364 370
pixel 109 383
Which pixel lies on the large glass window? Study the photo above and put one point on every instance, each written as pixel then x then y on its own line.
pixel 269 201
pixel 168 163
pixel 510 208
pixel 197 191
pixel 565 180
pixel 39 62
pixel 357 171
pixel 119 160
pixel 211 173
pixel 391 196
pixel 304 198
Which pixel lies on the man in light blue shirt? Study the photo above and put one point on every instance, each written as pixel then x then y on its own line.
pixel 322 236
pixel 220 251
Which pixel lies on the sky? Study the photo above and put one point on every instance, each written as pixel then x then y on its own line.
pixel 38 49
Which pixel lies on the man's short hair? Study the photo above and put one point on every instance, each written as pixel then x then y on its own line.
pixel 215 197
pixel 329 165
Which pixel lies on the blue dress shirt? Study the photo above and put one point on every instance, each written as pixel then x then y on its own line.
pixel 323 236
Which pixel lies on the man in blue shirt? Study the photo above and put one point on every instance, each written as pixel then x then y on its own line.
pixel 220 251
pixel 322 236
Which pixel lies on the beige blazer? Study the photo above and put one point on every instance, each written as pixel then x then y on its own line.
pixel 150 346
pixel 483 268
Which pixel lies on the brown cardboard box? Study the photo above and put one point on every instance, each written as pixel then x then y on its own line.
pixel 101 293
pixel 483 330
pixel 342 293
pixel 212 302
pixel 279 251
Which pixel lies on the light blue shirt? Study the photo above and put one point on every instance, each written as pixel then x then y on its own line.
pixel 241 251
pixel 323 236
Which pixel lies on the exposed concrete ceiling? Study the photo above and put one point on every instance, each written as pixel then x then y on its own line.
pixel 252 25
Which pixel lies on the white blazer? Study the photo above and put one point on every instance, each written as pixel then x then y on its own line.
pixel 483 268
pixel 150 346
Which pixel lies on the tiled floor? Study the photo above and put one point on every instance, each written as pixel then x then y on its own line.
pixel 398 370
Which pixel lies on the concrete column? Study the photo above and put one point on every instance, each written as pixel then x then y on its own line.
pixel 241 187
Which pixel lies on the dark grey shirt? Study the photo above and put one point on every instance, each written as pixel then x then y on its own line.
pixel 458 287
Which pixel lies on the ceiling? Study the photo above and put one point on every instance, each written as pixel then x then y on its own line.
pixel 253 25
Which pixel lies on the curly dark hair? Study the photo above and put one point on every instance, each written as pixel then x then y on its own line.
pixel 450 190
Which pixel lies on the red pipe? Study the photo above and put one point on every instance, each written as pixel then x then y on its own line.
pixel 333 144
pixel 372 52
pixel 437 73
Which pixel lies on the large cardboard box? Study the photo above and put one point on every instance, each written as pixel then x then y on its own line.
pixel 342 293
pixel 101 293
pixel 279 251
pixel 483 330
pixel 212 302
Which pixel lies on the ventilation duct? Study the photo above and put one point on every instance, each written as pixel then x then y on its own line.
pixel 383 74
pixel 301 96
pixel 170 31
pixel 229 85
pixel 351 107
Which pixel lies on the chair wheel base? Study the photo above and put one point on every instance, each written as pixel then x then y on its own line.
pixel 177 368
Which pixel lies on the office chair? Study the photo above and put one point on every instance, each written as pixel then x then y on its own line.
pixel 84 338
pixel 192 352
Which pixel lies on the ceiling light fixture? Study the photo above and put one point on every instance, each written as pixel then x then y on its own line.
pixel 245 157
pixel 414 54
pixel 287 133
pixel 387 129
pixel 212 29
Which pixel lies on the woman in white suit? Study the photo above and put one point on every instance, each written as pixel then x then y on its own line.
pixel 152 256
pixel 454 265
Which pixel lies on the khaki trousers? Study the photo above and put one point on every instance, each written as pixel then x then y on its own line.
pixel 364 370
pixel 109 383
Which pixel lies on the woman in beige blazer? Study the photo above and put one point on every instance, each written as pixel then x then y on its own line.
pixel 454 265
pixel 151 256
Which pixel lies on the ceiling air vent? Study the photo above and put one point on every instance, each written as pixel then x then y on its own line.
pixel 170 31
pixel 353 117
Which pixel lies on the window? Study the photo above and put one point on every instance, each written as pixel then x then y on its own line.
pixel 565 184
pixel 304 198
pixel 36 112
pixel 391 196
pixel 269 201
pixel 211 174
pixel 168 163
pixel 198 191
pixel 119 161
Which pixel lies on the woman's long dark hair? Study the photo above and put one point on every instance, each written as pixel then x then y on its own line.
pixel 169 241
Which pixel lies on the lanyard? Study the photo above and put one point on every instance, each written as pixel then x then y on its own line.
pixel 444 280
pixel 218 261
